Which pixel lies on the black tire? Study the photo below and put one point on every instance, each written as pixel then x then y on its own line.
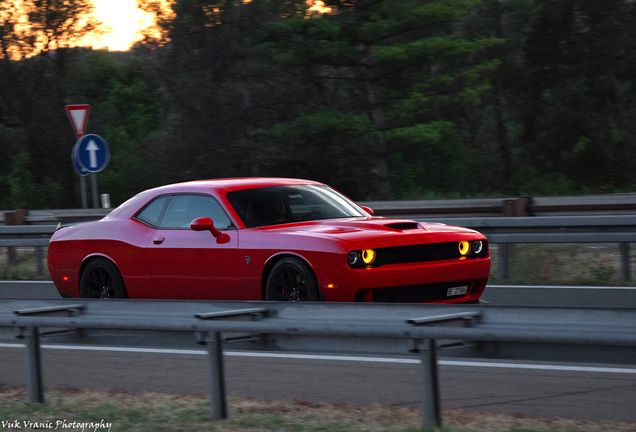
pixel 291 280
pixel 101 279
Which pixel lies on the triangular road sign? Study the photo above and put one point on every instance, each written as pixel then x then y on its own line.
pixel 78 114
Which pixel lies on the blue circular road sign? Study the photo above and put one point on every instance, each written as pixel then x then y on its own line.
pixel 91 153
pixel 78 168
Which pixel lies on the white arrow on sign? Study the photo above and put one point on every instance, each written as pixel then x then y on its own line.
pixel 92 149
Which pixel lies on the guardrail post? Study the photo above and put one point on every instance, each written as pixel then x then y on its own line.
pixel 504 261
pixel 13 218
pixel 431 406
pixel 33 358
pixel 39 265
pixel 431 412
pixel 216 377
pixel 517 207
pixel 216 367
pixel 625 261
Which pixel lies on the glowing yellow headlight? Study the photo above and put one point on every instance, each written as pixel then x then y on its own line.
pixel 464 247
pixel 368 256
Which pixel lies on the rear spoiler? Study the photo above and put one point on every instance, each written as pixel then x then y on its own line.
pixel 66 224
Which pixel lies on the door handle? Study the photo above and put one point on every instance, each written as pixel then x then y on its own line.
pixel 158 240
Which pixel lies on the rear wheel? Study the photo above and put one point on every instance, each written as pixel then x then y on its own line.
pixel 291 280
pixel 101 279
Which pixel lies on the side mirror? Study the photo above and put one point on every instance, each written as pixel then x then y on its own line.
pixel 206 224
pixel 368 210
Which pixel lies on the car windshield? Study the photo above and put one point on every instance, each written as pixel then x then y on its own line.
pixel 283 204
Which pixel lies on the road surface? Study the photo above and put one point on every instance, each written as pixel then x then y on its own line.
pixel 598 392
pixel 575 392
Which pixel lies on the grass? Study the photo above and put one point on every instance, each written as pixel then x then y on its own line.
pixel 25 266
pixel 595 264
pixel 119 412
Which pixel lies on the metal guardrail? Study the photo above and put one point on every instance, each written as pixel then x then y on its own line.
pixel 548 334
pixel 608 204
pixel 506 231
pixel 35 236
pixel 26 235
pixel 47 217
pixel 521 206
pixel 503 231
pixel 551 229
pixel 555 229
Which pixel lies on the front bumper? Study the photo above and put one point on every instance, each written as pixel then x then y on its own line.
pixel 410 283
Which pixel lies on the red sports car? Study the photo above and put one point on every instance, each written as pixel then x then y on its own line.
pixel 264 239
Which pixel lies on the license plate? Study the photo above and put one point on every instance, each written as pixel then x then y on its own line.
pixel 455 291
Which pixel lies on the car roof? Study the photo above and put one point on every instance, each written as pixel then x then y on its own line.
pixel 231 184
pixel 217 187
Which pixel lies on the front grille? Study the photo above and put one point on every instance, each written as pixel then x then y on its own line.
pixel 416 253
pixel 418 293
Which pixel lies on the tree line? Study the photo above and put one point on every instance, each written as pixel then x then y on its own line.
pixel 382 99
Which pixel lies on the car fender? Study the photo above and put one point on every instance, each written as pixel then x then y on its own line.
pixel 88 258
pixel 133 285
pixel 274 258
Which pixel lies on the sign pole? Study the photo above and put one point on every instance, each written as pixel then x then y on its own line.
pixel 94 187
pixel 78 115
pixel 83 191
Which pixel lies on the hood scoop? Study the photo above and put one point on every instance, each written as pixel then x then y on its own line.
pixel 403 225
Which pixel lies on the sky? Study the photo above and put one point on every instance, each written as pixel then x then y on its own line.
pixel 124 18
pixel 126 22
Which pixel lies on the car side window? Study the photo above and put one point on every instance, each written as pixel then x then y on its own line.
pixel 152 212
pixel 183 209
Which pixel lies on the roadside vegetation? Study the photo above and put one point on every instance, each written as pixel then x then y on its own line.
pixel 23 267
pixel 382 99
pixel 162 412
pixel 595 264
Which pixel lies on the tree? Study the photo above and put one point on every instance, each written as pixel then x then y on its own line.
pixel 403 63
pixel 576 114
pixel 31 27
pixel 220 86
pixel 125 109
pixel 36 68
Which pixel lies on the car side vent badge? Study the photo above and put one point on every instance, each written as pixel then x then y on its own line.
pixel 403 225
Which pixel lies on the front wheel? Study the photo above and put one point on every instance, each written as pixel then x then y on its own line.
pixel 291 280
pixel 101 279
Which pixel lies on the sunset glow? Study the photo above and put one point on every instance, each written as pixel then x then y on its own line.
pixel 124 24
pixel 125 20
pixel 318 6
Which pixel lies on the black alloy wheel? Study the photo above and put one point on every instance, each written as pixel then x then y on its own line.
pixel 291 280
pixel 101 279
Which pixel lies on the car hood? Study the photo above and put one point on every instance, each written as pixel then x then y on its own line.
pixel 363 229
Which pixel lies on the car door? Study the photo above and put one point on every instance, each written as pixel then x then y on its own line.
pixel 187 264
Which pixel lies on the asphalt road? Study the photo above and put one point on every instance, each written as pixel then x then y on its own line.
pixel 599 392
pixel 533 390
